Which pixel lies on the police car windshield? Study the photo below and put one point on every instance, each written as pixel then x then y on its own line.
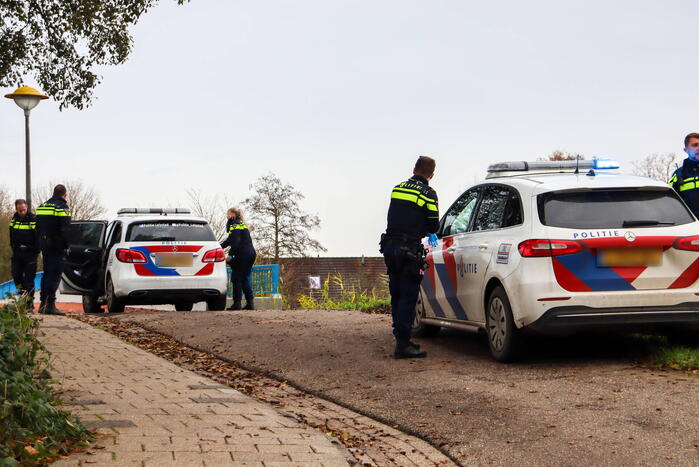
pixel 169 231
pixel 614 208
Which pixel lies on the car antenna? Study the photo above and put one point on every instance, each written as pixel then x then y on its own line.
pixel 577 164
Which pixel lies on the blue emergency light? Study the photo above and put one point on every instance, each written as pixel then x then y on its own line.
pixel 605 164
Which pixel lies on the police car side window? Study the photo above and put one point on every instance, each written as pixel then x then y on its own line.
pixel 116 235
pixel 459 215
pixel 491 210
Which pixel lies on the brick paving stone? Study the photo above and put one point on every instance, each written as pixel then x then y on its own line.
pixel 161 414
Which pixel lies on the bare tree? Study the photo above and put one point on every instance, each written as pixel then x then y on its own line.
pixel 212 208
pixel 657 166
pixel 559 155
pixel 85 203
pixel 279 226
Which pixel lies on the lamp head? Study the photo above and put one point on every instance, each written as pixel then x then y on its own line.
pixel 26 98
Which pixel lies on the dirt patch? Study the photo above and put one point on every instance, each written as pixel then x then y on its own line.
pixel 577 401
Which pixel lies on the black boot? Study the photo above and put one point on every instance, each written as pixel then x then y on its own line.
pixel 406 349
pixel 249 304
pixel 42 307
pixel 236 306
pixel 52 310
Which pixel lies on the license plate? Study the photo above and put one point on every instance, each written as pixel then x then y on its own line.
pixel 629 257
pixel 174 260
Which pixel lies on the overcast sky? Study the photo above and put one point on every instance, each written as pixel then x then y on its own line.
pixel 338 98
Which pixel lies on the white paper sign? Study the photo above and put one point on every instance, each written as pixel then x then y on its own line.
pixel 314 282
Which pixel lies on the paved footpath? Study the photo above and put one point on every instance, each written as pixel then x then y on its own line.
pixel 151 412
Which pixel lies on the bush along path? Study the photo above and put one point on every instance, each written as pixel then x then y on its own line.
pixel 33 429
pixel 370 442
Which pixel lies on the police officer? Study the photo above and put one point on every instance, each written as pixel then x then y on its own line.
pixel 25 249
pixel 412 214
pixel 52 222
pixel 685 180
pixel 243 256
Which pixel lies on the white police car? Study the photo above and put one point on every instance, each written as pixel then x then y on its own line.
pixel 145 256
pixel 546 246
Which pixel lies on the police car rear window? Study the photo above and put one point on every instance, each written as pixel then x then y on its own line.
pixel 169 231
pixel 603 209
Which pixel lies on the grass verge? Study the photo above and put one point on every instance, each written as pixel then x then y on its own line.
pixel 33 430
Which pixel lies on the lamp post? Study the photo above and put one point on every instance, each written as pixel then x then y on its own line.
pixel 26 99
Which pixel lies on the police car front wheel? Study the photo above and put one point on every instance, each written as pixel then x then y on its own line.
pixel 504 338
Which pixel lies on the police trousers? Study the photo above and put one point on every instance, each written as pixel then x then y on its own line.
pixel 241 267
pixel 404 285
pixel 54 263
pixel 24 269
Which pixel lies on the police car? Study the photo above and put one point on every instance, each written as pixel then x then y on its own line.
pixel 559 247
pixel 145 257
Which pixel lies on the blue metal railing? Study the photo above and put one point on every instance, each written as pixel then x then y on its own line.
pixel 9 286
pixel 263 279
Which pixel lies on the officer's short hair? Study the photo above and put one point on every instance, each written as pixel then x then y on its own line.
pixel 425 166
pixel 690 136
pixel 59 190
pixel 20 201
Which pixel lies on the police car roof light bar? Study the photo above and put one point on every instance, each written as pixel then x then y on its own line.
pixel 495 170
pixel 161 211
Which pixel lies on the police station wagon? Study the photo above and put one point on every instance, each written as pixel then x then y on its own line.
pixel 559 247
pixel 145 256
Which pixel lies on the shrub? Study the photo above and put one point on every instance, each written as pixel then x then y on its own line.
pixel 33 430
pixel 349 298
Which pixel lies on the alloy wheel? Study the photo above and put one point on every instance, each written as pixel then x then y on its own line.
pixel 497 326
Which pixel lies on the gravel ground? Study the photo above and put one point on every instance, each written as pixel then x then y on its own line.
pixel 576 401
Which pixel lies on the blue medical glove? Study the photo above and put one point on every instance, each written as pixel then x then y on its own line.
pixel 432 240
pixel 690 152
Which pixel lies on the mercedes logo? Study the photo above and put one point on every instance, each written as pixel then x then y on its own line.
pixel 174 248
pixel 630 236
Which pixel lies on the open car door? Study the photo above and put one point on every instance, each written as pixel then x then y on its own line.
pixel 84 260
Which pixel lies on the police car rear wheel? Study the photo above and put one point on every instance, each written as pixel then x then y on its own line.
pixel 503 337
pixel 420 329
pixel 184 306
pixel 216 304
pixel 114 305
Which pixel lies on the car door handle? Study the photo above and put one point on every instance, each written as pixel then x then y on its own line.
pixel 90 250
pixel 451 249
pixel 483 246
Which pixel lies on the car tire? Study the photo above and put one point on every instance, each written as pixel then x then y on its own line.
pixel 90 305
pixel 184 306
pixel 420 329
pixel 216 304
pixel 114 304
pixel 504 339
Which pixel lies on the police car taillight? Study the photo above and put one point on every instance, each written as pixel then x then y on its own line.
pixel 687 243
pixel 544 248
pixel 214 256
pixel 130 256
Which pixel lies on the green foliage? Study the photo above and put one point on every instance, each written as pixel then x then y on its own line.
pixel 677 358
pixel 33 429
pixel 349 298
pixel 61 42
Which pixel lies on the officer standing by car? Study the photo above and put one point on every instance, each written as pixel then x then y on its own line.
pixel 685 180
pixel 412 214
pixel 243 257
pixel 52 222
pixel 25 249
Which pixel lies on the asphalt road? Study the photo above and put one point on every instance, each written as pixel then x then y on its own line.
pixel 576 401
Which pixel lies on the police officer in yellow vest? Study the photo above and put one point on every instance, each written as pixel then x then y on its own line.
pixel 685 180
pixel 25 249
pixel 52 223
pixel 243 256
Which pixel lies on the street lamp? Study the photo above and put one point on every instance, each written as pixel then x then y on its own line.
pixel 27 98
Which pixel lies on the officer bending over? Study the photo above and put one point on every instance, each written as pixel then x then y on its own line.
pixel 243 256
pixel 412 214
pixel 52 222
pixel 25 249
pixel 685 179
